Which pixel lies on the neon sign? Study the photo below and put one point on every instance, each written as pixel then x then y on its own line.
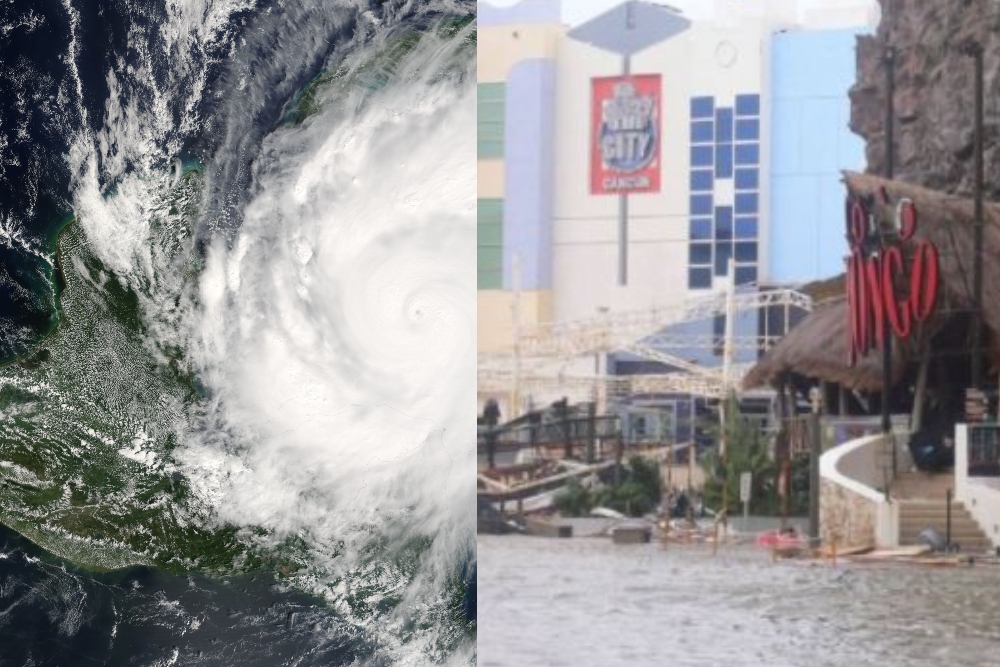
pixel 890 286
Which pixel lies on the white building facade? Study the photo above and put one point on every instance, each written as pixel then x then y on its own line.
pixel 751 114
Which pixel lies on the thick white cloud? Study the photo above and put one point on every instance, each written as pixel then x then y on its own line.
pixel 335 331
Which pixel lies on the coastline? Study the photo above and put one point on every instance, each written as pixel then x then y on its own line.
pixel 56 282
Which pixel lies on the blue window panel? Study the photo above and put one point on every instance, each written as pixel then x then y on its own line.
pixel 702 132
pixel 748 105
pixel 701 204
pixel 723 251
pixel 701 107
pixel 701 229
pixel 746 252
pixel 701 180
pixel 747 179
pixel 746 275
pixel 723 125
pixel 723 223
pixel 700 254
pixel 746 228
pixel 747 154
pixel 724 161
pixel 746 202
pixel 747 129
pixel 700 278
pixel 701 156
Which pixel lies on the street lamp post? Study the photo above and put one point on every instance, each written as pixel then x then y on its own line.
pixel 975 51
pixel 889 60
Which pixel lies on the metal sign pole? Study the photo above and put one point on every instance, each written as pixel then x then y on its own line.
pixel 623 209
pixel 627 29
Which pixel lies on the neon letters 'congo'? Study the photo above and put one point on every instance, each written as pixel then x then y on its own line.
pixel 892 278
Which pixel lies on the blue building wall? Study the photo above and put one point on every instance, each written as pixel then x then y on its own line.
pixel 529 169
pixel 811 75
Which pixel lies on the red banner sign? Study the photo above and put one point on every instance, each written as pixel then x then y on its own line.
pixel 625 134
pixel 888 290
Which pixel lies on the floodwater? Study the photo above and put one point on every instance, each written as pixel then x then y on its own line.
pixel 585 602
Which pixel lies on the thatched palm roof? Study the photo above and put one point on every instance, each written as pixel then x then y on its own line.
pixel 817 347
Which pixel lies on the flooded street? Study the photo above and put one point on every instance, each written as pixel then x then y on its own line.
pixel 585 602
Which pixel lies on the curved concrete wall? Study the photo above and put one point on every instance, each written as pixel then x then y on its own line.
pixel 853 509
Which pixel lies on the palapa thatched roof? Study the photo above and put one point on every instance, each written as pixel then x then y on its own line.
pixel 817 347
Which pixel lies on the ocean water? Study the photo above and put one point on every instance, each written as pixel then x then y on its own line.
pixel 587 602
pixel 56 614
pixel 237 313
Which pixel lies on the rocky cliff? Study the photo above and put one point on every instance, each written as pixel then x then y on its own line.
pixel 934 92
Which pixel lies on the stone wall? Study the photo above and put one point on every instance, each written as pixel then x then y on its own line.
pixel 845 516
pixel 934 92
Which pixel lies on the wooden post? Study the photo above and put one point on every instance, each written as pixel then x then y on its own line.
pixel 591 431
pixel 920 391
pixel 670 467
pixel 786 474
pixel 815 451
pixel 619 455
pixel 692 452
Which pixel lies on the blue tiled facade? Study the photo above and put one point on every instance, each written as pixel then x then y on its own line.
pixel 725 145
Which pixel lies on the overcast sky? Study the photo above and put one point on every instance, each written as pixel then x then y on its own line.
pixel 575 12
pixel 578 11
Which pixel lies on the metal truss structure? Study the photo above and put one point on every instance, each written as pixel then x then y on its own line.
pixel 539 358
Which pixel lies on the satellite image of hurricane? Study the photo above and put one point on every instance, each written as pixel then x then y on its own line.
pixel 237 332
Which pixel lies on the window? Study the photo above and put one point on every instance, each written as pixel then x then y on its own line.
pixel 725 144
pixel 489 243
pixel 701 229
pixel 701 156
pixel 719 335
pixel 723 125
pixel 748 105
pixel 723 160
pixel 723 253
pixel 700 253
pixel 747 129
pixel 701 180
pixel 746 228
pixel 746 179
pixel 701 204
pixel 746 275
pixel 723 223
pixel 747 154
pixel 699 277
pixel 746 202
pixel 702 132
pixel 701 107
pixel 490 121
pixel 746 252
